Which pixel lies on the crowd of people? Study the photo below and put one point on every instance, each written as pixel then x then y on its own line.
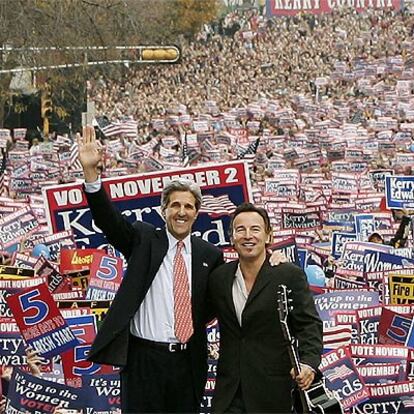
pixel 265 58
pixel 320 106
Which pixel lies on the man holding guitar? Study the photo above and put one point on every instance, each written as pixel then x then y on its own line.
pixel 254 373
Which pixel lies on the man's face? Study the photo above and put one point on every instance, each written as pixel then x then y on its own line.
pixel 249 235
pixel 180 213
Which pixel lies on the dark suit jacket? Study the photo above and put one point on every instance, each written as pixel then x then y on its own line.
pixel 255 355
pixel 144 247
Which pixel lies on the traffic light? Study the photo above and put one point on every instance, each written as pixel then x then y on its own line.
pixel 45 108
pixel 45 103
pixel 160 54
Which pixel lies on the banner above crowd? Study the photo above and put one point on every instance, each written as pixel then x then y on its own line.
pixel 293 7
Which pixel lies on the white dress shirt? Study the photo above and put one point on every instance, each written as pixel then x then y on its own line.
pixel 240 294
pixel 154 319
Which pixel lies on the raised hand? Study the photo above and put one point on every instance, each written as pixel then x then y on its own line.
pixel 34 361
pixel 90 153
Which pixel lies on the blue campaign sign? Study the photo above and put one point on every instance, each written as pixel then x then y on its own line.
pixel 223 186
pixel 364 226
pixel 338 242
pixel 102 393
pixel 399 191
pixel 30 394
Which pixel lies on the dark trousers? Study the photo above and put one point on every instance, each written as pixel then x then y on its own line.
pixel 157 381
pixel 237 405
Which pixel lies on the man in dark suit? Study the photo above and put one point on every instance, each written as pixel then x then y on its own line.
pixel 155 328
pixel 254 372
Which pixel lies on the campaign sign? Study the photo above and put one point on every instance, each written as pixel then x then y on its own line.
pixel 29 394
pixel 344 282
pixel 379 373
pixel 98 308
pixel 75 365
pixel 11 344
pixel 102 394
pixel 401 286
pixel 363 354
pixel 289 249
pixel 10 287
pixel 399 191
pixel 15 226
pixel 410 337
pixel 23 261
pixel 378 178
pixel 12 272
pixel 40 322
pixel 393 327
pixel 351 262
pixel 105 277
pixel 343 378
pixel 338 242
pixel 138 198
pixel 379 261
pixel 308 219
pixel 328 304
pixel 364 226
pixel 395 398
pixel 368 320
pixel 76 259
pixel 45 268
pixel 55 242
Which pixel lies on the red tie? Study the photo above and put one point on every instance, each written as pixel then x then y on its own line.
pixel 182 300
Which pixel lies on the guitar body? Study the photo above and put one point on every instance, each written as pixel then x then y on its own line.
pixel 317 399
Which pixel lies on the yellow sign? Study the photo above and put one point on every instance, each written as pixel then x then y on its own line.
pixel 401 286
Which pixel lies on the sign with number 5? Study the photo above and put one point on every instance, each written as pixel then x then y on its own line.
pixel 105 277
pixel 40 322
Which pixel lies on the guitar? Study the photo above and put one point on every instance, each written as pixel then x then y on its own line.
pixel 317 399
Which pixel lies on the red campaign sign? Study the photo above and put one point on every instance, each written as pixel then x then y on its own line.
pixel 105 277
pixel 393 327
pixel 74 362
pixel 293 7
pixel 40 322
pixel 76 259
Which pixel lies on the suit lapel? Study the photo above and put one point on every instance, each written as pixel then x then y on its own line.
pixel 228 280
pixel 263 279
pixel 196 267
pixel 159 248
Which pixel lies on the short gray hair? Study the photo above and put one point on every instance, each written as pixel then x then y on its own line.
pixel 181 185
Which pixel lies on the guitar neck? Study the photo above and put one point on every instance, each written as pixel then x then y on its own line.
pixel 294 357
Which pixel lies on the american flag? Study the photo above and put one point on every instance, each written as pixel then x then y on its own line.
pixel 114 146
pixel 74 162
pixel 336 336
pixel 340 372
pixel 251 149
pixel 128 127
pixel 3 165
pixel 184 149
pixel 215 206
pixel 408 401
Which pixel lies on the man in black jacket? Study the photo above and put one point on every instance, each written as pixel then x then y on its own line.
pixel 155 328
pixel 254 370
